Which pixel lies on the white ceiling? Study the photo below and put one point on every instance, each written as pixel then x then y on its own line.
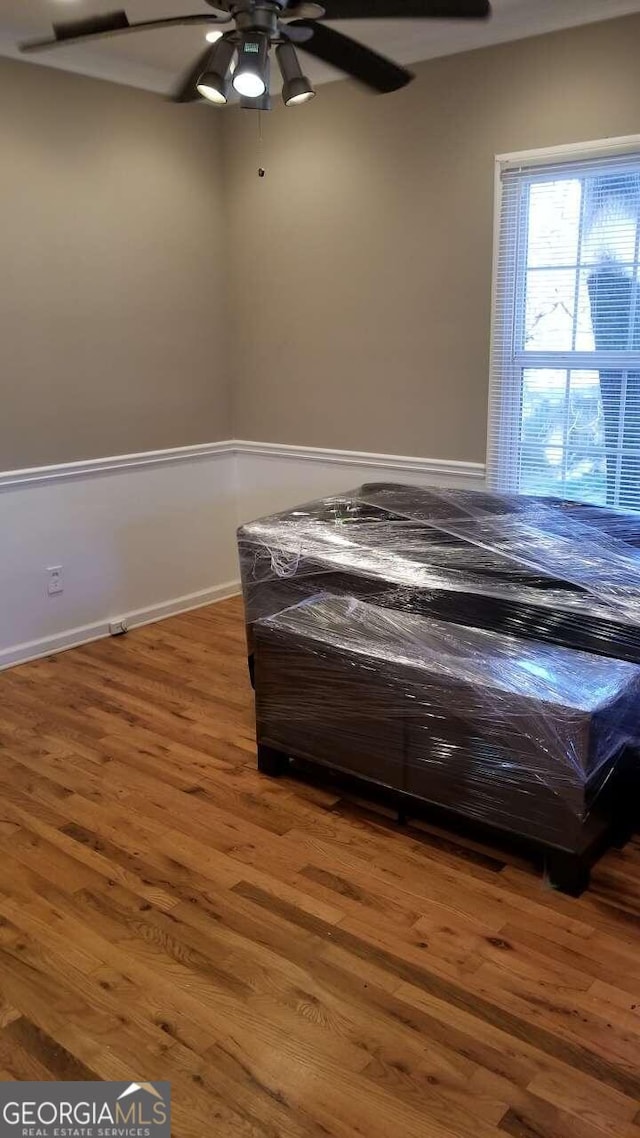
pixel 154 59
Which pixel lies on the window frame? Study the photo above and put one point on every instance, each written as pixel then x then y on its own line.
pixel 507 366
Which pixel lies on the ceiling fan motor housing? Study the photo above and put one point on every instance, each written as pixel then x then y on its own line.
pixel 257 16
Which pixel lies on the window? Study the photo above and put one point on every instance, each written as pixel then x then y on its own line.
pixel 565 384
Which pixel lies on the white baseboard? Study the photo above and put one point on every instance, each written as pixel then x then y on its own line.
pixel 74 637
pixel 140 536
pixel 145 536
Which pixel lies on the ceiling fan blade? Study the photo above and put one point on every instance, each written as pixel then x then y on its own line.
pixel 113 24
pixel 375 71
pixel 407 9
pixel 298 34
pixel 186 90
pixel 305 10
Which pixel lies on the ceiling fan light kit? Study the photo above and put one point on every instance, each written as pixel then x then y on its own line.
pixel 214 83
pixel 251 77
pixel 296 88
pixel 259 25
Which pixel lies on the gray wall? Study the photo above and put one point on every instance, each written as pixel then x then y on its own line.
pixel 357 311
pixel 112 240
pixel 361 268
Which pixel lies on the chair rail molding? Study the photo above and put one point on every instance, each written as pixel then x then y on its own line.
pixel 85 468
pixel 448 468
pixel 144 536
pixel 273 476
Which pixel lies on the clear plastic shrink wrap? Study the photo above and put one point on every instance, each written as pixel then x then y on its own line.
pixel 542 569
pixel 521 736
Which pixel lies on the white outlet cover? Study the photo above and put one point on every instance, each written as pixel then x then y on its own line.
pixel 55 582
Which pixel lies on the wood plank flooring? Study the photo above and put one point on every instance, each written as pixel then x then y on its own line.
pixel 292 962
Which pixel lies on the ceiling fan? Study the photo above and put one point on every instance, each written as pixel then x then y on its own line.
pixel 239 58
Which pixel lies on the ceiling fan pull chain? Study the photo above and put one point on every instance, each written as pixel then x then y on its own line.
pixel 261 169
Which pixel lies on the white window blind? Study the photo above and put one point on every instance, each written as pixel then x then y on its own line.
pixel 565 384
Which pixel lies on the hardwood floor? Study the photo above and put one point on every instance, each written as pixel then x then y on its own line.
pixel 293 963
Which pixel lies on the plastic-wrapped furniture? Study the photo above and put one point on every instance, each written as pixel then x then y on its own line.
pixel 526 738
pixel 540 569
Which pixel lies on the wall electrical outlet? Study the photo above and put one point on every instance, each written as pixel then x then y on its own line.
pixel 118 627
pixel 55 583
